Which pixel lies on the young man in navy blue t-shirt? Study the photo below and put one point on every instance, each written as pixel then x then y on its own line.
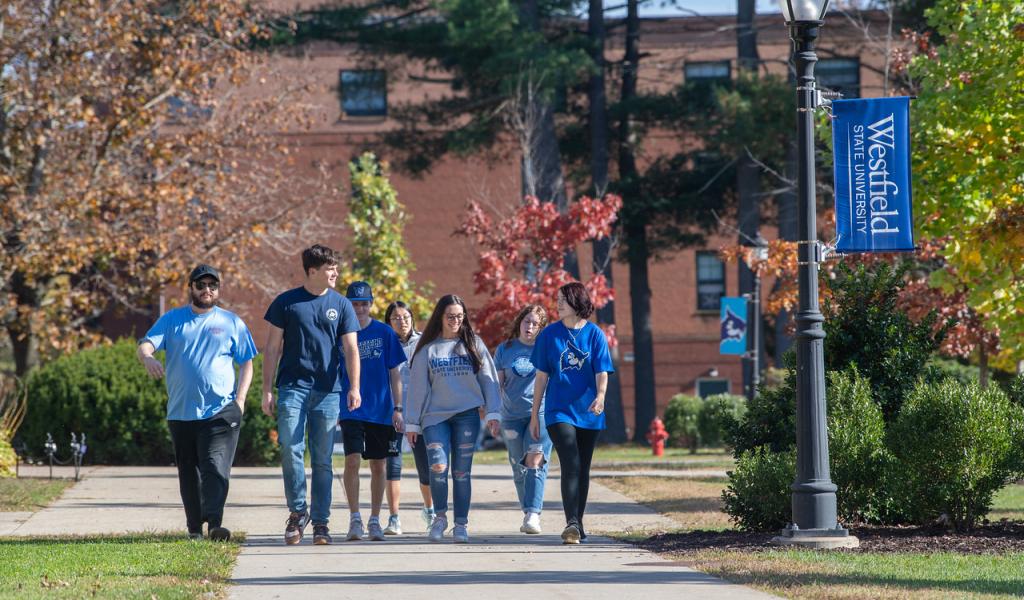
pixel 309 327
pixel 372 431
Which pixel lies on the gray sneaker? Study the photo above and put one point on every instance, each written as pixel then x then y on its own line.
pixel 427 514
pixel 460 534
pixel 375 532
pixel 437 529
pixel 355 530
pixel 394 526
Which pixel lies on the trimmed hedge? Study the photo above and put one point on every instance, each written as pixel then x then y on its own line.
pixel 758 495
pixel 105 393
pixel 957 449
pixel 715 416
pixel 681 416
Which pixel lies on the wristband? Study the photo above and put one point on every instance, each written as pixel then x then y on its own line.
pixel 398 409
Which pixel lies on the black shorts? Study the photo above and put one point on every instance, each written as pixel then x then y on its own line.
pixel 371 440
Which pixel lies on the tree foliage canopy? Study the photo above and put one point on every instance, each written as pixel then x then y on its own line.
pixel 969 157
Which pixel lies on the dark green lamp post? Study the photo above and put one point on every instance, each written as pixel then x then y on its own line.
pixel 814 521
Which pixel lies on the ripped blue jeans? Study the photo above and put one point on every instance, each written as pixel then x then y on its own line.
pixel 453 440
pixel 529 482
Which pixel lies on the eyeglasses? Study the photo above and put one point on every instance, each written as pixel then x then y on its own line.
pixel 402 318
pixel 455 318
pixel 213 286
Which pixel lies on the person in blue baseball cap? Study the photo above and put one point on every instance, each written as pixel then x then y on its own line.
pixel 371 431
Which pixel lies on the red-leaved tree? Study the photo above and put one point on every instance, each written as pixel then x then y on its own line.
pixel 522 257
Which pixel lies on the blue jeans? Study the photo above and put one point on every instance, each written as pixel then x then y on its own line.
pixel 529 482
pixel 456 439
pixel 297 408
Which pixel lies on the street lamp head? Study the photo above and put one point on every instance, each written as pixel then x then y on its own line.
pixel 804 11
pixel 760 248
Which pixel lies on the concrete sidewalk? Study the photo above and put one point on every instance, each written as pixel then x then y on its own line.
pixel 131 499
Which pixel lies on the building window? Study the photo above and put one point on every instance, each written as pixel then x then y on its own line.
pixel 710 387
pixel 710 280
pixel 839 74
pixel 710 71
pixel 364 93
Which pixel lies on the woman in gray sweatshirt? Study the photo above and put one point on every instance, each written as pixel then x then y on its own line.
pixel 452 377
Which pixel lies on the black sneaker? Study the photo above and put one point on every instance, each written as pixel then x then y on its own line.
pixel 571 534
pixel 220 534
pixel 195 536
pixel 295 527
pixel 321 535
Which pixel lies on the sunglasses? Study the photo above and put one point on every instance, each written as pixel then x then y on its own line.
pixel 213 286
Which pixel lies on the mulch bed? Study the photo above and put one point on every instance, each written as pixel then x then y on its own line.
pixel 993 538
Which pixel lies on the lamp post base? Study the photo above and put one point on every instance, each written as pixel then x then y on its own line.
pixel 821 539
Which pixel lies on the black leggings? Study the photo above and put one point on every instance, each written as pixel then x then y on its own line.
pixel 575 448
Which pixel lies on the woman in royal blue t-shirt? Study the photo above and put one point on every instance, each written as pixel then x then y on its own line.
pixel 572 361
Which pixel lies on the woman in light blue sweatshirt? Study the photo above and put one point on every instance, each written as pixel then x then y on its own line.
pixel 528 456
pixel 452 376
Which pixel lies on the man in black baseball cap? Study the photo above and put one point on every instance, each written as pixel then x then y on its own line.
pixel 203 271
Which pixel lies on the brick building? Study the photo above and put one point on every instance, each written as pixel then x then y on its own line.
pixel 352 102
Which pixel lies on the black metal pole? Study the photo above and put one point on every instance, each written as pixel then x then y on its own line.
pixel 814 495
pixel 755 358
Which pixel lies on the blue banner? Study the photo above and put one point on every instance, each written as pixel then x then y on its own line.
pixel 871 146
pixel 734 326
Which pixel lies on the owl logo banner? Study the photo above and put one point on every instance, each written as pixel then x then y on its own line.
pixel 733 326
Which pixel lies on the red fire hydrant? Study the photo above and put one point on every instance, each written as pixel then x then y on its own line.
pixel 657 435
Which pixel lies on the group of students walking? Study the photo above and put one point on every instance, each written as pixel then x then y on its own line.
pixel 328 364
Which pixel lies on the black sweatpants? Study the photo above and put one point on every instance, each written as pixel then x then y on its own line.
pixel 204 451
pixel 575 448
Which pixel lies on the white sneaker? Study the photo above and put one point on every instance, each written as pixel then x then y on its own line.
pixel 428 516
pixel 437 529
pixel 531 523
pixel 394 526
pixel 460 534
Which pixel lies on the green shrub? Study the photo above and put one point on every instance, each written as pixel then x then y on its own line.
pixel 681 416
pixel 105 393
pixel 718 411
pixel 861 465
pixel 955 443
pixel 255 445
pixel 758 495
pixel 770 419
pixel 940 369
pixel 864 325
pixel 1015 390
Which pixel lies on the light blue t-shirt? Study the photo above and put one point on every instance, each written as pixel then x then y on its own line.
pixel 512 359
pixel 380 350
pixel 201 350
pixel 312 329
pixel 572 361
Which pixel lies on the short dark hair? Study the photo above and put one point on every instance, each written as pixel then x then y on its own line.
pixel 317 256
pixel 578 299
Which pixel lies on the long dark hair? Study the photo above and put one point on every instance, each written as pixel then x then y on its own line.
pixel 513 332
pixel 432 330
pixel 578 299
pixel 391 310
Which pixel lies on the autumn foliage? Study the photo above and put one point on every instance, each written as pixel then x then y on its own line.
pixel 135 141
pixel 522 257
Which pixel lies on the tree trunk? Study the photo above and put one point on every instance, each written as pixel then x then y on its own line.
pixel 545 159
pixel 614 417
pixel 635 226
pixel 24 341
pixel 748 183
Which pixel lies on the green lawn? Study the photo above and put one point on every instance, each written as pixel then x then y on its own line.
pixel 137 566
pixel 1008 503
pixel 696 504
pixel 626 456
pixel 814 575
pixel 29 494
